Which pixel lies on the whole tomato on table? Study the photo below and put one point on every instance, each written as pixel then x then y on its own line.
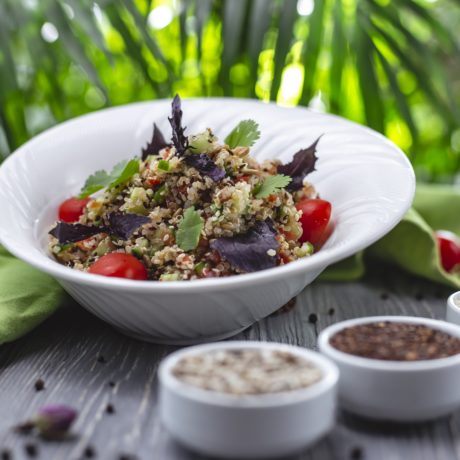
pixel 449 248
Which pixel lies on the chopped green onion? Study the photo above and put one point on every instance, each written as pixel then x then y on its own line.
pixel 163 165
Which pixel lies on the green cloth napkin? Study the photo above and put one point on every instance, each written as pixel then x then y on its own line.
pixel 28 297
pixel 411 244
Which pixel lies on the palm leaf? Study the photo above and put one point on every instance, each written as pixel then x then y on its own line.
pixel 431 61
pixel 311 50
pixel 401 100
pixel 58 16
pixel 418 70
pixel 232 28
pixel 259 20
pixel 370 88
pixel 85 19
pixel 183 11
pixel 132 45
pixel 338 55
pixel 441 32
pixel 148 40
pixel 122 56
pixel 283 43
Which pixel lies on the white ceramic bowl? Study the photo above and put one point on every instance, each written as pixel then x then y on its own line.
pixel 453 308
pixel 395 390
pixel 368 180
pixel 256 426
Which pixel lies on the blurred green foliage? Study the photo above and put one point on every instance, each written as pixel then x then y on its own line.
pixel 391 64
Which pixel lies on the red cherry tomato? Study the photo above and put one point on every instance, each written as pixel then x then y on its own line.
pixel 71 209
pixel 449 247
pixel 315 217
pixel 119 265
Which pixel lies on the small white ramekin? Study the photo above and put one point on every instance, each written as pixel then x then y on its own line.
pixel 395 390
pixel 254 426
pixel 453 310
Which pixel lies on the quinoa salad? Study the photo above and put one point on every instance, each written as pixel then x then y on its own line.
pixel 192 208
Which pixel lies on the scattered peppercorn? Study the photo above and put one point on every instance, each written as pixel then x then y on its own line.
pixel 313 318
pixel 331 311
pixel 395 341
pixel 111 384
pixel 384 296
pixel 89 452
pixel 6 454
pixel 101 359
pixel 419 296
pixel 39 385
pixel 127 457
pixel 356 453
pixel 31 450
pixel 110 409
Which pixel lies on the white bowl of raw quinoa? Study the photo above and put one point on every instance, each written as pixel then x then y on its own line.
pixel 202 216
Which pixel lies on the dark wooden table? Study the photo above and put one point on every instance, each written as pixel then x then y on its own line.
pixel 111 379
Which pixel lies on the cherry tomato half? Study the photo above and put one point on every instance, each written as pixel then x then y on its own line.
pixel 449 247
pixel 119 265
pixel 315 217
pixel 70 210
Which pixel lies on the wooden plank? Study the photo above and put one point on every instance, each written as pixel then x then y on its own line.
pixel 87 364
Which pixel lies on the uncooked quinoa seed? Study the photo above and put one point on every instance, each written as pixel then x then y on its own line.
pixel 247 371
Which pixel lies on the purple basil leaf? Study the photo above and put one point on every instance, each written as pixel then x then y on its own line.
pixel 70 233
pixel 156 144
pixel 205 165
pixel 124 225
pixel 178 138
pixel 248 251
pixel 301 165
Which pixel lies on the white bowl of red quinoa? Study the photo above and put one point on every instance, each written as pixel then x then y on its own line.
pixel 395 368
pixel 368 180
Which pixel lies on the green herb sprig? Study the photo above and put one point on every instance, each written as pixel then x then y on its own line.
pixel 244 134
pixel 120 174
pixel 189 230
pixel 270 185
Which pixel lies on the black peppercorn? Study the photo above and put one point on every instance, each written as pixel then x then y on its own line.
pixel 31 450
pixel 313 318
pixel 110 409
pixel 39 385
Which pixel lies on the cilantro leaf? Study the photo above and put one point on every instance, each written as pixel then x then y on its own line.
pixel 120 174
pixel 94 183
pixel 189 230
pixel 272 184
pixel 244 134
pixel 123 171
